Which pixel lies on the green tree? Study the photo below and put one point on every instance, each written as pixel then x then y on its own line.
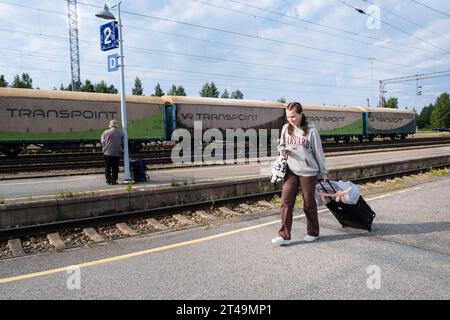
pixel 24 82
pixel 176 91
pixel 440 116
pixel 392 103
pixel 68 88
pixel 102 87
pixel 416 115
pixel 424 118
pixel 282 100
pixel 237 95
pixel 3 82
pixel 181 91
pixel 112 89
pixel 158 91
pixel 209 90
pixel 225 95
pixel 172 91
pixel 87 86
pixel 137 90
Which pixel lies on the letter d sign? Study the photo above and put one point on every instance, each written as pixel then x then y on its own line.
pixel 113 62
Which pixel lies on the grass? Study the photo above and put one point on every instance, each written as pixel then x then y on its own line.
pixel 174 183
pixel 299 201
pixel 66 195
pixel 428 134
pixel 439 172
pixel 276 200
pixel 182 182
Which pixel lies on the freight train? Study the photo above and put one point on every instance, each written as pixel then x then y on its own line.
pixel 60 119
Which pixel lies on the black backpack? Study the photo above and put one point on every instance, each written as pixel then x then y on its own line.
pixel 139 170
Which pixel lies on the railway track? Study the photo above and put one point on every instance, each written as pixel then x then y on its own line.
pixel 58 236
pixel 162 157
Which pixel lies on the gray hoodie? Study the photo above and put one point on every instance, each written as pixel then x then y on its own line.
pixel 302 162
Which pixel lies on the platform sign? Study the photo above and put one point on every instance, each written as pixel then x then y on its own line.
pixel 109 36
pixel 113 62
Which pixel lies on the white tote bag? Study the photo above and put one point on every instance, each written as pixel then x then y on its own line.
pixel 279 168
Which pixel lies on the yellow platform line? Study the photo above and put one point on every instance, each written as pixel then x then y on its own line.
pixel 138 253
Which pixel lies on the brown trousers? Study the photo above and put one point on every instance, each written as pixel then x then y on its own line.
pixel 289 193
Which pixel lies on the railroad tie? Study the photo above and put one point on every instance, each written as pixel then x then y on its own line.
pixel 93 235
pixel 126 229
pixel 266 204
pixel 16 248
pixel 247 207
pixel 205 215
pixel 56 241
pixel 227 211
pixel 156 224
pixel 183 220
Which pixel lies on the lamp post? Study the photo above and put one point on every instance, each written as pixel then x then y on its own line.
pixel 371 80
pixel 106 14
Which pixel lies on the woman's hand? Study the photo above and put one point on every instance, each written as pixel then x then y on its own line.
pixel 286 152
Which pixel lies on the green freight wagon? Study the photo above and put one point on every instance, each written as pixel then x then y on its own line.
pixel 62 119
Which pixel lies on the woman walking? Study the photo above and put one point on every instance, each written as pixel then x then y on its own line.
pixel 300 141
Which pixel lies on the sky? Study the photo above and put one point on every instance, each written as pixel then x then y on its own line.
pixel 311 51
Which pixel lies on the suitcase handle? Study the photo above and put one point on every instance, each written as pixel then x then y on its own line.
pixel 329 184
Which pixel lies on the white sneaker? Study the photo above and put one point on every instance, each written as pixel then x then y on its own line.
pixel 309 238
pixel 280 241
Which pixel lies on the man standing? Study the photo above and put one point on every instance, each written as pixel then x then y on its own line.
pixel 112 142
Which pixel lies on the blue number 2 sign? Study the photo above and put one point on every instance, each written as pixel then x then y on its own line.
pixel 109 36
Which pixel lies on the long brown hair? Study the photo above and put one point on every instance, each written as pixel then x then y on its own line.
pixel 303 123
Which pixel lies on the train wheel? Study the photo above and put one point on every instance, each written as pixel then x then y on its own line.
pixel 360 138
pixel 403 137
pixel 347 139
pixel 336 139
pixel 393 137
pixel 11 150
pixel 371 138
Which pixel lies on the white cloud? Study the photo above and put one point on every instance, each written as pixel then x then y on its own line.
pixel 310 8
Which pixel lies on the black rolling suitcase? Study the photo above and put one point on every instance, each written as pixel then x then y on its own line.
pixel 359 215
pixel 139 170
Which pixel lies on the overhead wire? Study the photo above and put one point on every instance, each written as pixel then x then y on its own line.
pixel 52 58
pixel 56 37
pixel 88 4
pixel 192 56
pixel 431 8
pixel 238 33
pixel 394 27
pixel 172 81
pixel 409 20
pixel 332 35
pixel 325 26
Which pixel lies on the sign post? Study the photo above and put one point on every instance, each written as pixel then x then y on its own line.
pixel 111 37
